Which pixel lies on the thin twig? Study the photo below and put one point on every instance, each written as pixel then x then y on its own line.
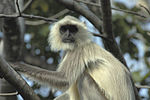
pixel 89 3
pixel 117 9
pixel 17 81
pixel 101 35
pixel 39 22
pixel 75 6
pixel 27 5
pixel 129 12
pixel 60 13
pixel 38 17
pixel 19 14
pixel 18 8
pixel 142 86
pixel 147 10
pixel 9 16
pixel 28 16
pixel 9 94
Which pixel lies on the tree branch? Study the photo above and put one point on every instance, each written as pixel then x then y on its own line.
pixel 107 27
pixel 28 16
pixel 17 4
pixel 44 20
pixel 12 77
pixel 27 5
pixel 73 5
pixel 112 45
pixel 147 10
pixel 142 86
pixel 9 94
pixel 34 23
pixel 117 9
pixel 102 36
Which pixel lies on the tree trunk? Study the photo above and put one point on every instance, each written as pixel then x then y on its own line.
pixel 12 39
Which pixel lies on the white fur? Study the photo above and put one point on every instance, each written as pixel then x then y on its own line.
pixel 55 38
pixel 109 73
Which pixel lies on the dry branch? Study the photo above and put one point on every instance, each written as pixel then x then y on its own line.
pixel 73 5
pixel 9 94
pixel 147 10
pixel 107 28
pixel 39 22
pixel 116 9
pixel 20 14
pixel 27 5
pixel 18 7
pixel 28 16
pixel 12 77
pixel 142 86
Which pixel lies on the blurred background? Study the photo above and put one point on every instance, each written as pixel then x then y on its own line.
pixel 132 34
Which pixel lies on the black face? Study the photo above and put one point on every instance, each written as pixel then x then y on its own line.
pixel 68 32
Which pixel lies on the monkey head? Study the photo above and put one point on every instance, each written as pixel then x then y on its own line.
pixel 68 33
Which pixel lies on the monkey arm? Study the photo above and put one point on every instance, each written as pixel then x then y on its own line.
pixel 55 79
pixel 70 69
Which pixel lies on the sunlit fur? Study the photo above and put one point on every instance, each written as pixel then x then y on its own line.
pixel 109 73
pixel 87 71
pixel 55 36
pixel 111 76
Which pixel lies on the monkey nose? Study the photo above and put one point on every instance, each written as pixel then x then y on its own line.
pixel 68 33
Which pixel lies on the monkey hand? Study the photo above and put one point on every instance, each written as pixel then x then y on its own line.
pixel 15 65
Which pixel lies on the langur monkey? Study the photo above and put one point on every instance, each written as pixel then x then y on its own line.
pixel 87 71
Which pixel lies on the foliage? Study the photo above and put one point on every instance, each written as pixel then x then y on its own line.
pixel 135 41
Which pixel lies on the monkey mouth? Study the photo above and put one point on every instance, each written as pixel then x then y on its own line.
pixel 68 40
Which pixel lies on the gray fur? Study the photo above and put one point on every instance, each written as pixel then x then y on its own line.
pixel 87 71
pixel 88 88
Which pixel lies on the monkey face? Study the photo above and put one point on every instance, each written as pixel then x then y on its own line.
pixel 68 33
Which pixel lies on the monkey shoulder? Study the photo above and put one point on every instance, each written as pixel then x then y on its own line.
pixel 107 71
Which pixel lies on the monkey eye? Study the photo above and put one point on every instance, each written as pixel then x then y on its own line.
pixel 63 29
pixel 71 28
